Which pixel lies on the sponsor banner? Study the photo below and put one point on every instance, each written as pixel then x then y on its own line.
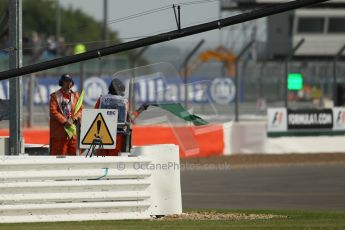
pixel 163 135
pixel 277 120
pixel 280 119
pixel 310 119
pixel 157 89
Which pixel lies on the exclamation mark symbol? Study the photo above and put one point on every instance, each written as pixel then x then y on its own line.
pixel 99 123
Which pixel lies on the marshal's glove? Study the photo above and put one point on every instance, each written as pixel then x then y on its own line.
pixel 143 107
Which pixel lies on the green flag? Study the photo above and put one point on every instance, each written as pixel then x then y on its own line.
pixel 71 130
pixel 79 102
pixel 178 110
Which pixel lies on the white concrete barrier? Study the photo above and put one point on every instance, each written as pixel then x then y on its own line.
pixel 5 145
pixel 251 138
pixel 47 188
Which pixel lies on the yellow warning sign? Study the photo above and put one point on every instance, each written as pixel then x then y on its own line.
pixel 98 131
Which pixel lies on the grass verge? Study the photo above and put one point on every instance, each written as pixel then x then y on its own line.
pixel 283 220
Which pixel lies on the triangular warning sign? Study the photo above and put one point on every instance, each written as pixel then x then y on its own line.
pixel 98 130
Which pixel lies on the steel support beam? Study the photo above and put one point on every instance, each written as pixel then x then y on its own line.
pixel 184 32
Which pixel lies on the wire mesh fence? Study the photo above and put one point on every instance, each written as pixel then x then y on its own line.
pixel 211 90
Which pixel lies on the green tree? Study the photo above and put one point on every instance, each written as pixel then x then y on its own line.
pixel 76 26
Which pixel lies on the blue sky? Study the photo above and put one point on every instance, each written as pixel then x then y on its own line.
pixel 153 23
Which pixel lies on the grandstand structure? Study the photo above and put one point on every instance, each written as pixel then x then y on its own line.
pixel 321 26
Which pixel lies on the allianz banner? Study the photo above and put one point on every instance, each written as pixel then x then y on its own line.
pixel 282 119
pixel 151 89
pixel 310 119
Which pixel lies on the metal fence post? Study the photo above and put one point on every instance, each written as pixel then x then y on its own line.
pixel 237 98
pixel 286 70
pixel 15 29
pixel 131 92
pixel 185 66
pixel 335 60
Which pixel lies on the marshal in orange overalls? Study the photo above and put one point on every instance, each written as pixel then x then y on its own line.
pixel 62 106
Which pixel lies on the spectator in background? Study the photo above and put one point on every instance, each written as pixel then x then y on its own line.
pixel 4 44
pixel 37 47
pixel 27 45
pixel 79 48
pixel 35 42
pixel 61 46
pixel 51 46
pixel 62 113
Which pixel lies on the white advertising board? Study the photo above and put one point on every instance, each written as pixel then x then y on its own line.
pixel 338 118
pixel 277 120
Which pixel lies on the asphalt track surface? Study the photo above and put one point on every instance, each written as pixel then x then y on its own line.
pixel 294 187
